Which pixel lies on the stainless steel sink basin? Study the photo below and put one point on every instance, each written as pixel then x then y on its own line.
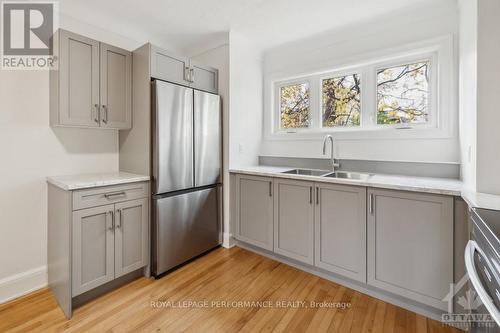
pixel 307 172
pixel 348 175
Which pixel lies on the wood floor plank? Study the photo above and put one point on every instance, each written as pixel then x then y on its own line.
pixel 233 275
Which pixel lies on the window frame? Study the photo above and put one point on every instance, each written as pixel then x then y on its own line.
pixel 278 105
pixel 443 112
pixel 433 111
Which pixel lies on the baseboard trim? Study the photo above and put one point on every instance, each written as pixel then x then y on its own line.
pixel 228 240
pixel 20 284
pixel 418 308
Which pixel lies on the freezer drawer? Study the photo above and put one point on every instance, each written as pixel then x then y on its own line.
pixel 184 226
pixel 172 128
pixel 207 138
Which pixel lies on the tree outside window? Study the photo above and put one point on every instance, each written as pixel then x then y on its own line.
pixel 294 106
pixel 341 101
pixel 403 94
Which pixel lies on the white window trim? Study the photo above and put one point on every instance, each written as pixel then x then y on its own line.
pixel 442 105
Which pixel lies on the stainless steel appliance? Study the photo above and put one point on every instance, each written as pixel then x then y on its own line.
pixel 186 169
pixel 482 262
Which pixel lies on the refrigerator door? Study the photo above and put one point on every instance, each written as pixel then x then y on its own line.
pixel 172 128
pixel 207 138
pixel 184 226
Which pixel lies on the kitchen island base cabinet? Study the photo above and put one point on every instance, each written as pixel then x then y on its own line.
pixel 254 210
pixel 294 219
pixel 340 230
pixel 410 244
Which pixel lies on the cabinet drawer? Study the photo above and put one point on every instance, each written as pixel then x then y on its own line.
pixel 109 194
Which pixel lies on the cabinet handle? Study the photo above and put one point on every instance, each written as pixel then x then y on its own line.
pixel 270 189
pixel 192 74
pixel 317 195
pixel 187 73
pixel 119 218
pixel 96 117
pixel 116 194
pixel 105 117
pixel 311 195
pixel 112 220
pixel 371 200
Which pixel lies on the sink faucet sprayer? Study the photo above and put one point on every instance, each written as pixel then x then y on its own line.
pixel 332 158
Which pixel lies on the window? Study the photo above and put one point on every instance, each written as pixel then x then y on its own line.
pixel 403 94
pixel 341 98
pixel 294 106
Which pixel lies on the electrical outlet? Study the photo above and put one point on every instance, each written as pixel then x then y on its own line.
pixel 240 148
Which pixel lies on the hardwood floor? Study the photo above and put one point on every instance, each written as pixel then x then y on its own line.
pixel 222 275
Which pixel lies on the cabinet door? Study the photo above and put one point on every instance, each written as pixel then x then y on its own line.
pixel 168 67
pixel 131 236
pixel 340 230
pixel 294 219
pixel 204 77
pixel 254 210
pixel 78 80
pixel 115 87
pixel 93 248
pixel 410 244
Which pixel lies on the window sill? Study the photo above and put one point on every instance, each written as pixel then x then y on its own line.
pixel 349 134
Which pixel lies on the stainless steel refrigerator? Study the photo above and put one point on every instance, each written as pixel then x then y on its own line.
pixel 186 169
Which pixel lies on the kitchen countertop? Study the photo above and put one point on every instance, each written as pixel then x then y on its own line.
pixel 76 182
pixel 406 183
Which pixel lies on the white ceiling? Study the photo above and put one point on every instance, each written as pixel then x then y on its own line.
pixel 189 25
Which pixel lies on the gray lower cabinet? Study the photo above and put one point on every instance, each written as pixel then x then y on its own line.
pixel 254 210
pixel 93 248
pixel 294 219
pixel 410 244
pixel 96 235
pixel 340 230
pixel 131 236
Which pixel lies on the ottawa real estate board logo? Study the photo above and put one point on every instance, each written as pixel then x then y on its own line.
pixel 27 34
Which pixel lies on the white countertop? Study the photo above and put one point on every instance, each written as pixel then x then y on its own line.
pixel 407 183
pixel 76 182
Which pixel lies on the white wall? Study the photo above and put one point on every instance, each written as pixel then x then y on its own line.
pixel 245 102
pixel 356 42
pixel 488 92
pixel 468 89
pixel 31 151
pixel 218 57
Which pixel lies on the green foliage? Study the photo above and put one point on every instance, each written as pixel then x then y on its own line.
pixel 342 101
pixel 402 94
pixel 294 106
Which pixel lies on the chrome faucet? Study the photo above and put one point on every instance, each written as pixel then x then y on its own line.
pixel 332 158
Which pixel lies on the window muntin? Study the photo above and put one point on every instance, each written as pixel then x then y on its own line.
pixel 341 101
pixel 294 106
pixel 403 94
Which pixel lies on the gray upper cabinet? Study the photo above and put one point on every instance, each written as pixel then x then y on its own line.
pixel 75 86
pixel 176 69
pixel 340 230
pixel 131 236
pixel 254 210
pixel 294 219
pixel 116 87
pixel 92 84
pixel 167 67
pixel 204 77
pixel 410 244
pixel 93 248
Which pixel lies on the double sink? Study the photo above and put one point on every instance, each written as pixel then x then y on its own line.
pixel 329 174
